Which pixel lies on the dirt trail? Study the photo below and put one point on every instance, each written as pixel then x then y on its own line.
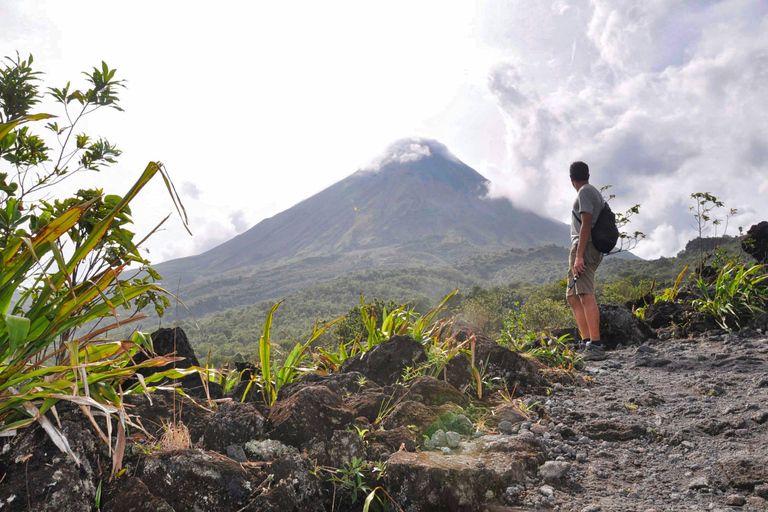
pixel 676 425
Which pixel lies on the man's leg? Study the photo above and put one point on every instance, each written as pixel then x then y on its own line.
pixel 578 313
pixel 592 315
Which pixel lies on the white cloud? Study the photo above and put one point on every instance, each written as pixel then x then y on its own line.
pixel 238 221
pixel 667 98
pixel 189 189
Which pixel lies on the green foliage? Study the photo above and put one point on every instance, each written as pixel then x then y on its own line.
pixel 63 263
pixel 274 375
pixel 627 240
pixel 352 477
pixel 738 293
pixel 624 290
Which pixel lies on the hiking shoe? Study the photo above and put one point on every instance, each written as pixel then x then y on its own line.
pixel 593 352
pixel 581 346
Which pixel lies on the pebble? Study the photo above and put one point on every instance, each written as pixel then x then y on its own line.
pixel 554 470
pixel 439 438
pixel 700 482
pixel 446 450
pixel 547 491
pixel 736 500
pixel 429 444
pixel 505 427
pixel 452 439
pixel 592 508
pixel 480 464
pixel 581 457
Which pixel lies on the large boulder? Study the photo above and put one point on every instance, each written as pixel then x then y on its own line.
pixel 756 242
pixel 196 480
pixel 496 362
pixel 663 314
pixel 342 384
pixel 619 326
pixel 174 342
pixel 311 414
pixel 293 489
pixel 386 362
pixel 233 423
pixel 480 474
pixel 39 477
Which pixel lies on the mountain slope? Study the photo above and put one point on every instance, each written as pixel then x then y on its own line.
pixel 418 205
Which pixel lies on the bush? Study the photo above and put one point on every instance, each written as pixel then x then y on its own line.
pixel 64 264
pixel 738 294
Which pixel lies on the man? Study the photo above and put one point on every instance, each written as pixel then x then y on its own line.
pixel 583 261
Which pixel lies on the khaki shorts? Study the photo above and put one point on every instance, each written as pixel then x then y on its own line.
pixel 585 284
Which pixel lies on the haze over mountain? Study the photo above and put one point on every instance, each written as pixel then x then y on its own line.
pixel 417 205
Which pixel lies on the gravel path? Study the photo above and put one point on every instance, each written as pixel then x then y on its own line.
pixel 673 425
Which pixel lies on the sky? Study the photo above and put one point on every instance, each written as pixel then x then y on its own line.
pixel 255 106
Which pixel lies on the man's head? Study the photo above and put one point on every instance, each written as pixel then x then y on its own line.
pixel 579 173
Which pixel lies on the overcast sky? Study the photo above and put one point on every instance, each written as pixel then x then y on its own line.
pixel 254 106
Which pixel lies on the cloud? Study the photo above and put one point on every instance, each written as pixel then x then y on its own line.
pixel 238 221
pixel 189 189
pixel 407 150
pixel 661 99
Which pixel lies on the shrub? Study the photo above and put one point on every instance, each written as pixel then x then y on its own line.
pixel 738 293
pixel 63 265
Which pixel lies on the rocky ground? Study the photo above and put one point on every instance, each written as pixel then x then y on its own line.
pixel 669 425
pixel 679 424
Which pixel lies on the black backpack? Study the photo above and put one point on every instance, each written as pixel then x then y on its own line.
pixel 605 233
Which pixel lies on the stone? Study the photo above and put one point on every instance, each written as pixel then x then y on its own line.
pixel 505 366
pixel 310 414
pixel 369 404
pixel 54 481
pixel 426 419
pixel 432 391
pixel 756 242
pixel 439 438
pixel 663 314
pixel 343 384
pixel 745 470
pixel 445 450
pixel 505 427
pixel 700 482
pixel 429 444
pixel 132 495
pixel 236 453
pixel 431 482
pixel 452 439
pixel 173 341
pixel 386 362
pixel 393 439
pixel 619 326
pixel 554 471
pixel 608 430
pixel 547 491
pixel 293 487
pixel 343 447
pixel 268 450
pixel 233 423
pixel 735 500
pixel 186 478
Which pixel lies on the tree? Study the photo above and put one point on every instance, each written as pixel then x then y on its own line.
pixel 627 240
pixel 64 263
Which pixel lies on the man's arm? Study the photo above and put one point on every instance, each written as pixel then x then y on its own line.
pixel 584 233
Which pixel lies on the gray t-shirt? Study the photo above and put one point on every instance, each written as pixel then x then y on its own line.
pixel 588 200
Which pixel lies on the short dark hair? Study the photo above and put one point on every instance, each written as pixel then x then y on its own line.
pixel 580 171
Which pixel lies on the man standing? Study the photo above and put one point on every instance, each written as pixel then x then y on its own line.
pixel 583 261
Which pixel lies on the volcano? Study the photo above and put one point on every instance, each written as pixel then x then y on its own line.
pixel 417 205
